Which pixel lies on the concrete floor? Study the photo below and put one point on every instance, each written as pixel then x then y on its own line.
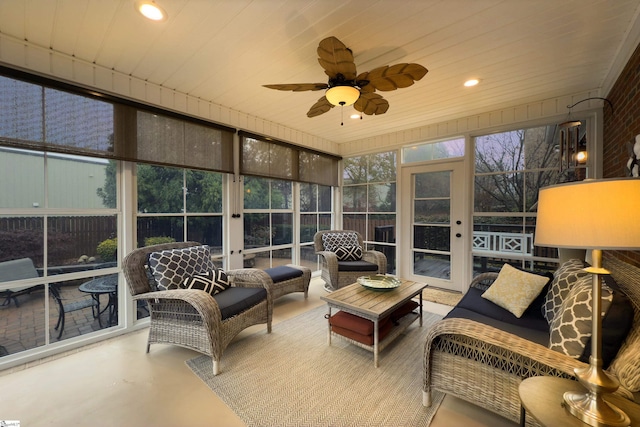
pixel 115 383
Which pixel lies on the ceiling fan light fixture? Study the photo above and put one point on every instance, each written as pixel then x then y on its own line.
pixel 342 95
pixel 150 10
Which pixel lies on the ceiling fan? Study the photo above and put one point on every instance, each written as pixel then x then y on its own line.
pixel 345 87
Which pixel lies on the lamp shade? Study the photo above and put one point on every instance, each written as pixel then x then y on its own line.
pixel 342 95
pixel 590 214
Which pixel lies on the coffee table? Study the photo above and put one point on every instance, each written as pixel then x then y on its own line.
pixel 374 306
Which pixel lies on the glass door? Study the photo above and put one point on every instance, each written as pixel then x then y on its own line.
pixel 433 226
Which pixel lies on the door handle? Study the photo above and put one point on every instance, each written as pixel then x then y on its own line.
pixel 458 235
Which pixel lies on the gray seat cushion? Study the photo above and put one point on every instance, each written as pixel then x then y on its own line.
pixel 531 325
pixel 235 300
pixel 532 317
pixel 282 273
pixel 531 334
pixel 357 266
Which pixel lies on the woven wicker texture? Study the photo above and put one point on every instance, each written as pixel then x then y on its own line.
pixel 626 365
pixel 335 279
pixel 485 366
pixel 297 284
pixel 190 317
pixel 292 378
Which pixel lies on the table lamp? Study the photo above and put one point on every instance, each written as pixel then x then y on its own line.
pixel 593 215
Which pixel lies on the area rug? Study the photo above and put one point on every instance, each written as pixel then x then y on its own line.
pixel 441 296
pixel 293 378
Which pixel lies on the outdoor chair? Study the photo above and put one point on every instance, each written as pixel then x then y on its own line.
pixel 193 318
pixel 65 306
pixel 17 269
pixel 345 258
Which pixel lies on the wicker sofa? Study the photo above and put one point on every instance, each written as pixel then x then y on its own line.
pixel 484 364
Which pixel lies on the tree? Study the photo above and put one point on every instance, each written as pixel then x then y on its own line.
pixel 511 167
pixel 160 189
pixel 204 191
pixel 378 172
pixel 108 192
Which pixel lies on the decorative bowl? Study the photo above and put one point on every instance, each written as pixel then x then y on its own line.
pixel 379 282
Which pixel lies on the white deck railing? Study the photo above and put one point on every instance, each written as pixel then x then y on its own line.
pixel 487 243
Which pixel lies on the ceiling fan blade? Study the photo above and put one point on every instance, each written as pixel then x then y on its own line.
pixel 363 81
pixel 336 58
pixel 299 87
pixel 393 77
pixel 320 107
pixel 371 103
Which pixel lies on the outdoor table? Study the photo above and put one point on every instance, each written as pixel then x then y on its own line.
pixel 104 285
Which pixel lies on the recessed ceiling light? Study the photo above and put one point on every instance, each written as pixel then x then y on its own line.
pixel 356 116
pixel 150 10
pixel 471 82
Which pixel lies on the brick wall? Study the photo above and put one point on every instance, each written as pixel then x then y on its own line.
pixel 620 127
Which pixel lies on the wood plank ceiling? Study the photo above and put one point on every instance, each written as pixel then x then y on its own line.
pixel 224 51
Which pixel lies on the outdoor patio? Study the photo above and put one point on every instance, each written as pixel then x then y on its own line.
pixel 23 327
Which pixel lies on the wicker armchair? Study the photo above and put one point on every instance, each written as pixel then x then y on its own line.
pixel 337 274
pixel 192 318
pixel 484 365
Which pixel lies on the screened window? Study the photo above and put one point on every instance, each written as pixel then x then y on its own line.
pixel 315 215
pixel 176 205
pixel 369 201
pixel 510 168
pixel 268 222
pixel 56 235
pixel 433 151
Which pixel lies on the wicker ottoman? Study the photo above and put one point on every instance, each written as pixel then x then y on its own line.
pixel 289 278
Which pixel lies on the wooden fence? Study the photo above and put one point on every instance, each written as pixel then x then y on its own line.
pixel 69 237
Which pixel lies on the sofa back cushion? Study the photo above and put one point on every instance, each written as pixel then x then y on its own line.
pixel 568 274
pixel 616 324
pixel 570 330
pixel 171 267
pixel 571 326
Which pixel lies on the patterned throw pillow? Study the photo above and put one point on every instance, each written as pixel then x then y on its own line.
pixel 170 267
pixel 213 281
pixel 349 253
pixel 570 329
pixel 345 245
pixel 566 276
pixel 514 290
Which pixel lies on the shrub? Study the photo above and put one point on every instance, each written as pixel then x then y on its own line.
pixel 16 244
pixel 148 241
pixel 107 250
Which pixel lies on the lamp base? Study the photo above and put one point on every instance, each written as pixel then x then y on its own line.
pixel 589 406
pixel 591 409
